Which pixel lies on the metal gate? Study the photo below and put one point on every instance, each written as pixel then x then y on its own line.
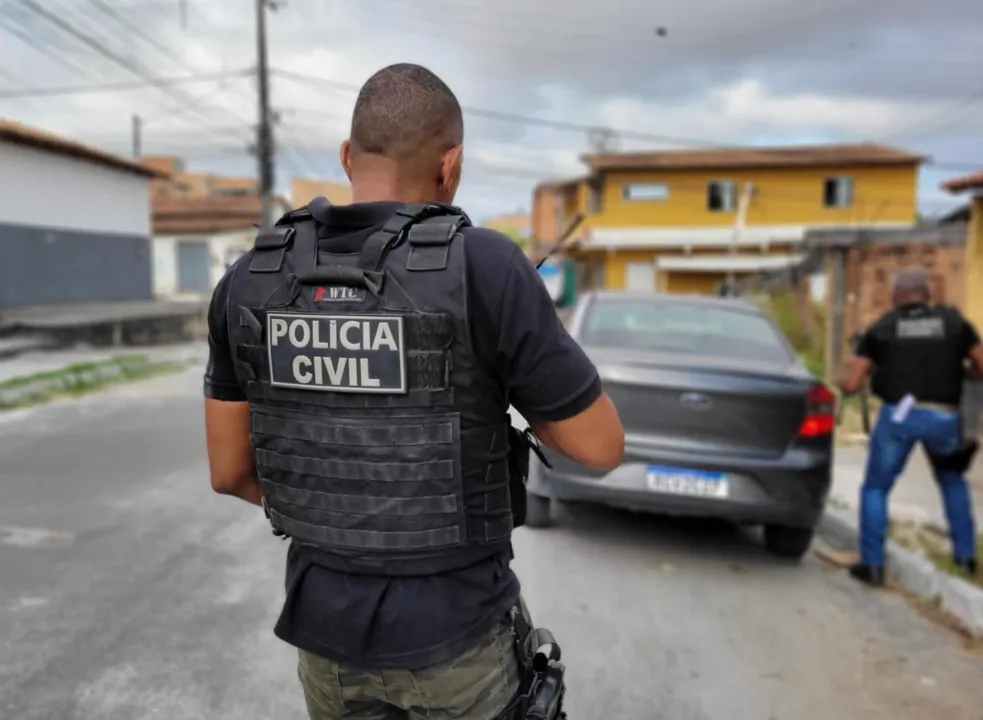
pixel 194 272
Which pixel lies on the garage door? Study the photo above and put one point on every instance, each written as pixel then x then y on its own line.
pixel 194 273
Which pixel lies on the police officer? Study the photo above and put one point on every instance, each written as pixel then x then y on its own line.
pixel 363 360
pixel 916 353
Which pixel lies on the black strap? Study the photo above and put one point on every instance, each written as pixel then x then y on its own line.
pixel 430 241
pixel 304 255
pixel 379 243
pixel 270 248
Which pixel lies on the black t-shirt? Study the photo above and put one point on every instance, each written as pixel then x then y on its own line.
pixel 382 622
pixel 919 350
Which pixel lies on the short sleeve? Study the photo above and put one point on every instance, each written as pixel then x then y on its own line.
pixel 968 336
pixel 868 345
pixel 221 382
pixel 546 373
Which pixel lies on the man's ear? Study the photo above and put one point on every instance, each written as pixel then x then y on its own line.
pixel 346 158
pixel 450 170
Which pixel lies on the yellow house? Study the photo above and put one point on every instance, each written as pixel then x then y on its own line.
pixel 684 221
pixel 973 302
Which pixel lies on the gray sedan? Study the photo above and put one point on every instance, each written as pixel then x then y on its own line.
pixel 721 419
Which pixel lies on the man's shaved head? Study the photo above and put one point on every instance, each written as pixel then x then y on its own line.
pixel 403 113
pixel 911 285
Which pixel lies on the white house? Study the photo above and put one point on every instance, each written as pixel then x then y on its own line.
pixel 196 239
pixel 75 222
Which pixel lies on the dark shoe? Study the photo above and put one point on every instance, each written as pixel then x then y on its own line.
pixel 967 566
pixel 868 574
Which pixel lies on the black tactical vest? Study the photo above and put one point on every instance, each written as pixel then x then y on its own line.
pixel 381 445
pixel 921 354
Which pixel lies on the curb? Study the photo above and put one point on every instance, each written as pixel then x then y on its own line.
pixel 917 573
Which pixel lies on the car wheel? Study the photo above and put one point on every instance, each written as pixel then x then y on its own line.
pixel 539 511
pixel 788 542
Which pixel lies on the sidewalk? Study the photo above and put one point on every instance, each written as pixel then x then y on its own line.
pixel 48 361
pixel 915 495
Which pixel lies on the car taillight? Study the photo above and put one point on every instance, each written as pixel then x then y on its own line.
pixel 820 416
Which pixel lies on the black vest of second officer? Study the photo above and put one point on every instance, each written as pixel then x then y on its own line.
pixel 380 443
pixel 922 355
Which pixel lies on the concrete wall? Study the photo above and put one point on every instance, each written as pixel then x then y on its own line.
pixel 40 266
pixel 224 249
pixel 974 264
pixel 165 267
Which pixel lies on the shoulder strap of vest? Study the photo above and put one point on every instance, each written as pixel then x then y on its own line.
pixel 270 246
pixel 430 241
pixel 378 245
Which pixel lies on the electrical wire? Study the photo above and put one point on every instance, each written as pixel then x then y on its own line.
pixel 130 66
pixel 134 85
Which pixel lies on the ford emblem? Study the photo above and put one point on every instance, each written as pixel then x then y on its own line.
pixel 696 401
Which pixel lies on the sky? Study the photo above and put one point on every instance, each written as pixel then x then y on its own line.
pixel 661 74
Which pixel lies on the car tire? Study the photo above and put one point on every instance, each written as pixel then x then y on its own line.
pixel 788 542
pixel 539 511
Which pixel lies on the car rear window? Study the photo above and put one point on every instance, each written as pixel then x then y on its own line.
pixel 678 327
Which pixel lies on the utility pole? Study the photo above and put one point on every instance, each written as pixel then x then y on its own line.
pixel 137 136
pixel 264 129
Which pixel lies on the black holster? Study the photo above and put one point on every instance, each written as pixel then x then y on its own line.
pixel 957 462
pixel 542 690
pixel 520 443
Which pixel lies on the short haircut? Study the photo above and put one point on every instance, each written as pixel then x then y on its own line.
pixel 403 111
pixel 911 281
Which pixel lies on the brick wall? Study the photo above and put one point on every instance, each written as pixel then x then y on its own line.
pixel 871 268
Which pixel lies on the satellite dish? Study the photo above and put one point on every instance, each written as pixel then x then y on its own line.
pixel 603 140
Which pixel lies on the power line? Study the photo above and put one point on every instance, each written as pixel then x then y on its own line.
pixel 93 44
pixel 565 125
pixel 69 90
pixel 524 119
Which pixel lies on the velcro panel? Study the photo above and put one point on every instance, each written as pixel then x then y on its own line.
pixel 428 259
pixel 431 234
pixel 268 261
pixel 274 238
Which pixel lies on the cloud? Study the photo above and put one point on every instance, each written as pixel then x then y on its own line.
pixel 755 71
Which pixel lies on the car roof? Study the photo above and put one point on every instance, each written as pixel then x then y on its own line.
pixel 709 301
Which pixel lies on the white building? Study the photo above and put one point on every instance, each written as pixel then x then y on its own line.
pixel 196 239
pixel 191 265
pixel 74 222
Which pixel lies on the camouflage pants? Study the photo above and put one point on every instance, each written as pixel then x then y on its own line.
pixel 478 684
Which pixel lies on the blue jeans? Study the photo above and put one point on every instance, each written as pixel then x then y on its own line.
pixel 890 445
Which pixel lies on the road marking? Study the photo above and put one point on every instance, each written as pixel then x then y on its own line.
pixel 24 603
pixel 34 537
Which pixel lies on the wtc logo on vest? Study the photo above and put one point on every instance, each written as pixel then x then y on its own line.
pixel 337 353
pixel 338 293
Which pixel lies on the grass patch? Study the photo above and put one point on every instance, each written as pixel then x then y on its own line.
pixel 80 379
pixel 806 335
pixel 935 547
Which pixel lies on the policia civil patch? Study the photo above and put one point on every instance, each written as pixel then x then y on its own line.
pixel 337 353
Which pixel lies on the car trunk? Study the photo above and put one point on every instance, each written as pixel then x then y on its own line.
pixel 706 405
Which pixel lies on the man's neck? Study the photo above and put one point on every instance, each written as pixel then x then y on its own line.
pixel 390 191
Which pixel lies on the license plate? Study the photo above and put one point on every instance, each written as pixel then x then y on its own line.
pixel 685 481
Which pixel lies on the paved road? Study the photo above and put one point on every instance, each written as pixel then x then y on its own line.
pixel 129 592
